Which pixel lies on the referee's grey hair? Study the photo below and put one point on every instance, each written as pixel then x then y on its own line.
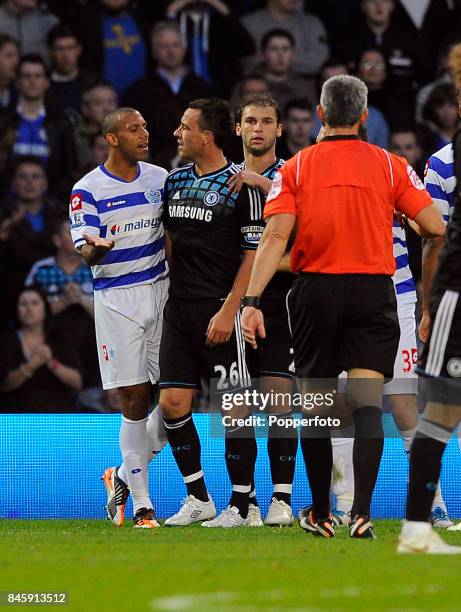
pixel 343 99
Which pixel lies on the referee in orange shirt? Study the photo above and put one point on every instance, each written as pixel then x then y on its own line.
pixel 342 194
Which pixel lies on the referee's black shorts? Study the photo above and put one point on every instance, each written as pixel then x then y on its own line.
pixel 184 356
pixel 343 321
pixel 441 355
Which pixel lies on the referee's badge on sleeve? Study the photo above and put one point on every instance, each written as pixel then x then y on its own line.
pixel 414 178
pixel 276 187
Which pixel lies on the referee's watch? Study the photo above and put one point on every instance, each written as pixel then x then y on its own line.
pixel 250 300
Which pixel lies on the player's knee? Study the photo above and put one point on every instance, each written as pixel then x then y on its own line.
pixel 135 404
pixel 174 404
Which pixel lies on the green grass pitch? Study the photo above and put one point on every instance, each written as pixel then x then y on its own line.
pixel 197 569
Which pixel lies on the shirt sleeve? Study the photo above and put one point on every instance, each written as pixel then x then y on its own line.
pixel 282 196
pixel 440 189
pixel 410 197
pixel 166 211
pixel 250 205
pixel 83 216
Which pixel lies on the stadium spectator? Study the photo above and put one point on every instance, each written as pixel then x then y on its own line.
pixel 311 45
pixel 67 79
pixel 39 370
pixel 432 20
pixel 443 75
pixel 377 126
pixel 25 227
pixel 377 29
pixel 250 85
pixel 216 40
pixel 99 151
pixel 371 68
pixel 68 284
pixel 442 115
pixel 28 23
pixel 323 173
pixel 98 99
pixel 277 53
pixel 9 58
pixel 114 36
pixel 30 129
pixel 162 96
pixel 297 128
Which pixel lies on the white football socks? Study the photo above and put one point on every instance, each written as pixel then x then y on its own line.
pixel 134 446
pixel 342 482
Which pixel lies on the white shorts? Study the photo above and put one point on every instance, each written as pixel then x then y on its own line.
pixel 128 324
pixel 405 380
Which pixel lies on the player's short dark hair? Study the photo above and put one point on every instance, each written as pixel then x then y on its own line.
pixel 297 103
pixel 32 58
pixel 277 33
pixel 216 117
pixel 110 121
pixel 6 39
pixel 59 31
pixel 27 159
pixel 266 101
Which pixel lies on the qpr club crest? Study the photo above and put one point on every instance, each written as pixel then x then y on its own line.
pixel 154 196
pixel 211 198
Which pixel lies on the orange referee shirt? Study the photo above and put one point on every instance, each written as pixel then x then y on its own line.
pixel 343 192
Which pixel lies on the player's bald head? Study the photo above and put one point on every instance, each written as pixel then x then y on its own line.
pixel 112 120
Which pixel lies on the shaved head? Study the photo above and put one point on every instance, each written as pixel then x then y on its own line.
pixel 111 121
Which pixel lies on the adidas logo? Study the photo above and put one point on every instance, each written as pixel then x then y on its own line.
pixel 176 196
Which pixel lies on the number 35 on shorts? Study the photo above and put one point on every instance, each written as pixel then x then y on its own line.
pixel 409 359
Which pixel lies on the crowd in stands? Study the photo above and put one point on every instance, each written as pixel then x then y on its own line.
pixel 64 65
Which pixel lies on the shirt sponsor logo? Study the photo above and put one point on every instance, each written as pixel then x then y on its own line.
pixel 211 198
pixel 414 178
pixel 134 225
pixel 276 187
pixel 154 196
pixel 252 233
pixel 116 203
pixel 191 212
pixel 76 202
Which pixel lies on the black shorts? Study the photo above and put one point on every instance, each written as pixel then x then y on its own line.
pixel 343 321
pixel 274 355
pixel 184 356
pixel 441 355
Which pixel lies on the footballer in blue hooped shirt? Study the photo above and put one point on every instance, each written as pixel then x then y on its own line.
pixel 116 224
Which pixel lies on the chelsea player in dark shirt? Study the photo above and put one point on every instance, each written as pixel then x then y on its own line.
pixel 258 122
pixel 212 235
pixel 440 369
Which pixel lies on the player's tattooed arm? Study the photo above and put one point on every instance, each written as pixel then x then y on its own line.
pixel 222 323
pixel 95 249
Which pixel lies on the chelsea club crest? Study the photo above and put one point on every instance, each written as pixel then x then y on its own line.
pixel 211 198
